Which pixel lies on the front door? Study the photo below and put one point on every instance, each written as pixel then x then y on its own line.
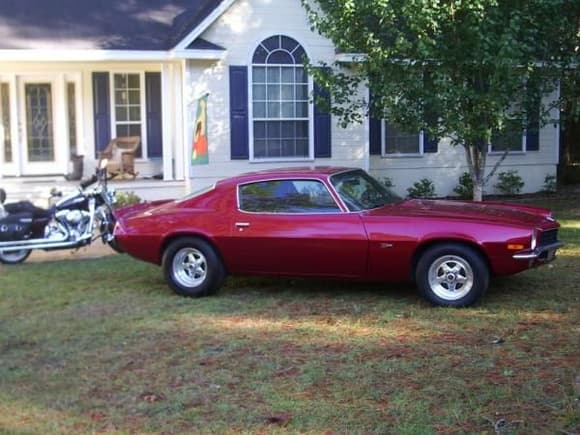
pixel 40 153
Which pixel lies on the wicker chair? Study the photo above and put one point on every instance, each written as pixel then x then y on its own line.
pixel 120 153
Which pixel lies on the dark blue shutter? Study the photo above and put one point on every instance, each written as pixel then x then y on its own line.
pixel 239 133
pixel 101 110
pixel 533 134
pixel 375 132
pixel 429 145
pixel 322 123
pixel 154 125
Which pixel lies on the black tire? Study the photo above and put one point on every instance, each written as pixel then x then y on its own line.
pixel 192 267
pixel 115 246
pixel 452 275
pixel 14 257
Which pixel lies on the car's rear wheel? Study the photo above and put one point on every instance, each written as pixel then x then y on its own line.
pixel 452 275
pixel 14 257
pixel 192 267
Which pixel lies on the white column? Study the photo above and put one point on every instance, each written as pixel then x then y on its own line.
pixel 169 107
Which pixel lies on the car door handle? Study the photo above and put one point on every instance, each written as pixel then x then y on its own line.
pixel 242 224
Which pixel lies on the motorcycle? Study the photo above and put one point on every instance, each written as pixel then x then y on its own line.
pixel 72 222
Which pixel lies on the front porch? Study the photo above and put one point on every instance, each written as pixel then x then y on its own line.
pixel 37 189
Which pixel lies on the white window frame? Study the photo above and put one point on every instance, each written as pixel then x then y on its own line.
pixel 251 119
pixel 143 122
pixel 523 149
pixel 400 155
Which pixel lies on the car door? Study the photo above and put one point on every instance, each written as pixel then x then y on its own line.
pixel 295 227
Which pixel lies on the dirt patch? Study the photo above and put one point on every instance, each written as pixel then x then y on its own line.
pixel 95 250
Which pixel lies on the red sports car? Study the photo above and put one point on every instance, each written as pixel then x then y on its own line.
pixel 335 223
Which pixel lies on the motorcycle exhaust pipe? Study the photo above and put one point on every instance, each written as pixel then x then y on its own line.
pixel 42 244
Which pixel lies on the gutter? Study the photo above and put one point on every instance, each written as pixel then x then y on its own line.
pixel 88 55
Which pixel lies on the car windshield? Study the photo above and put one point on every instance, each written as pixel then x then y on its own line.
pixel 360 191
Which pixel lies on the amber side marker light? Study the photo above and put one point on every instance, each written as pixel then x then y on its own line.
pixel 515 247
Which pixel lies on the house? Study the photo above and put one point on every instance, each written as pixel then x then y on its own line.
pixel 75 74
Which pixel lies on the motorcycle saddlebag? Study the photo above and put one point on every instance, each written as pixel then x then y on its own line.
pixel 15 226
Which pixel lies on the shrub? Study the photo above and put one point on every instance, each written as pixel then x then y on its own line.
pixel 509 183
pixel 423 188
pixel 126 198
pixel 465 187
pixel 550 184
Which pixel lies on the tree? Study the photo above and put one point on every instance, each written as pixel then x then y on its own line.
pixel 463 69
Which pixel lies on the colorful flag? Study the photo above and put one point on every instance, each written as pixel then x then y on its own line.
pixel 200 154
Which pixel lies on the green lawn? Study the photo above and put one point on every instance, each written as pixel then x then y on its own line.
pixel 104 346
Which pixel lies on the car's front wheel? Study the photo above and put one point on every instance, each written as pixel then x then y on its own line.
pixel 452 275
pixel 192 267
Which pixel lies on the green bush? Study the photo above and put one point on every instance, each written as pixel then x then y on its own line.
pixel 509 182
pixel 124 199
pixel 550 183
pixel 465 187
pixel 424 188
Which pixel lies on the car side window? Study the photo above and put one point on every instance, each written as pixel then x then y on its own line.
pixel 286 196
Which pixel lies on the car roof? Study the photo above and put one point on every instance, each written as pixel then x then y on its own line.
pixel 292 172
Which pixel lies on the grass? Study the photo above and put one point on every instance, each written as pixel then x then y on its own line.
pixel 94 346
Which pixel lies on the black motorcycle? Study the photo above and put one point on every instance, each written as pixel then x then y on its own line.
pixel 74 221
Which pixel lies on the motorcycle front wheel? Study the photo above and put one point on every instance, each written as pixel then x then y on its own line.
pixel 14 257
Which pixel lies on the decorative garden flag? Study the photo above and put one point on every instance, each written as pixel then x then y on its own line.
pixel 200 154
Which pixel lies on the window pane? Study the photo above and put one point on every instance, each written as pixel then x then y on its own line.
pixel 287 110
pixel 287 196
pixel 302 92
pixel 122 114
pixel 288 148
pixel 259 92
pixel 301 129
pixel 121 97
pixel 510 139
pixel 274 148
pixel 274 110
pixel 397 141
pixel 288 92
pixel 302 110
pixel 301 76
pixel 288 129
pixel 274 92
pixel 134 81
pixel 273 74
pixel 274 129
pixel 259 129
pixel 287 75
pixel 121 81
pixel 302 147
pixel 135 97
pixel 259 74
pixel 259 148
pixel 259 110
pixel 135 113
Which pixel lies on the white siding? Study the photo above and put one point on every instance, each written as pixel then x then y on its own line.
pixel 243 27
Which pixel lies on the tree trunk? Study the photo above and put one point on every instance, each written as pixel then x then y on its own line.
pixel 476 157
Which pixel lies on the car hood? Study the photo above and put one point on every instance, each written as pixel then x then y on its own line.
pixel 503 213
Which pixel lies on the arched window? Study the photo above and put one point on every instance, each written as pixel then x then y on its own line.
pixel 280 100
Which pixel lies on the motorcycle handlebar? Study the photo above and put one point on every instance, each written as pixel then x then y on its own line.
pixel 87 183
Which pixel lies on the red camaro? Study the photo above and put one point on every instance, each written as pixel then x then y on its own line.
pixel 337 223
